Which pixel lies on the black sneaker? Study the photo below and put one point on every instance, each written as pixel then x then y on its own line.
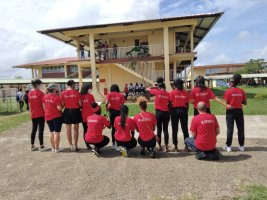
pixel 96 152
pixel 201 156
pixel 151 153
pixel 143 151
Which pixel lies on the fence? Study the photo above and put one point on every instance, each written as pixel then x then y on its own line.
pixel 8 101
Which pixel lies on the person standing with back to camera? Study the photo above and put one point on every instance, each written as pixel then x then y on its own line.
pixel 180 105
pixel 202 93
pixel 162 102
pixel 235 97
pixel 71 100
pixel 87 100
pixel 114 101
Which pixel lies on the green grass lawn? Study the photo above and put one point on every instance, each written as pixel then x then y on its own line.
pixel 13 120
pixel 254 192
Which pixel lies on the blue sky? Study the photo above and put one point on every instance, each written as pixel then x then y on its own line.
pixel 238 36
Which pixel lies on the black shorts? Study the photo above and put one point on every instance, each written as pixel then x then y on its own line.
pixel 55 125
pixel 72 116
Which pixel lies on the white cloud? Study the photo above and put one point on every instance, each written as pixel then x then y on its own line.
pixel 222 59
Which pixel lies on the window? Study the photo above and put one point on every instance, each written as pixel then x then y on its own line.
pixel 73 68
pixel 53 69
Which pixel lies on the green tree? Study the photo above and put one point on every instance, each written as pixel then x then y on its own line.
pixel 253 66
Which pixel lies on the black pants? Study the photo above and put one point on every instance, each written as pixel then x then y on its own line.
pixel 163 118
pixel 148 144
pixel 182 115
pixel 196 111
pixel 21 104
pixel 128 145
pixel 112 115
pixel 84 132
pixel 38 123
pixel 237 116
pixel 101 144
pixel 126 95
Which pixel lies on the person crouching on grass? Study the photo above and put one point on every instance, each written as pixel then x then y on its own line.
pixel 124 134
pixel 96 123
pixel 53 107
pixel 145 124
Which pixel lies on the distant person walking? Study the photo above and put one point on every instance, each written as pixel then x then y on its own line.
pixel 35 97
pixel 71 100
pixel 53 106
pixel 235 97
pixel 19 98
pixel 26 99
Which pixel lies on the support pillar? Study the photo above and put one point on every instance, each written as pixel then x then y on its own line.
pixel 32 74
pixel 166 57
pixel 80 75
pixel 174 70
pixel 65 71
pixel 192 58
pixel 98 96
pixel 185 78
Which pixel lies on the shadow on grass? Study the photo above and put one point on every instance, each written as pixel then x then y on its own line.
pixel 9 113
pixel 258 148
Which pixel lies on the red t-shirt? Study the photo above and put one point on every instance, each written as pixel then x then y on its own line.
pixel 234 96
pixel 124 135
pixel 205 125
pixel 179 98
pixel 116 100
pixel 162 99
pixel 51 101
pixel 197 95
pixel 145 123
pixel 70 98
pixel 87 101
pixel 36 105
pixel 96 124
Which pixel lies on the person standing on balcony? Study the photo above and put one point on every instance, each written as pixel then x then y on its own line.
pixel 162 104
pixel 87 100
pixel 235 97
pixel 202 93
pixel 37 113
pixel 114 101
pixel 71 100
pixel 81 49
pixel 106 51
pixel 180 105
pixel 114 51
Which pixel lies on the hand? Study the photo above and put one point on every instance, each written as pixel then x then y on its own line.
pixel 157 138
pixel 228 106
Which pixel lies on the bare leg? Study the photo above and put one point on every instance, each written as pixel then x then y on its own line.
pixel 76 134
pixel 52 140
pixel 57 140
pixel 69 136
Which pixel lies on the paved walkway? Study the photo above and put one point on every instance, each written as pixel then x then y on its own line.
pixel 36 175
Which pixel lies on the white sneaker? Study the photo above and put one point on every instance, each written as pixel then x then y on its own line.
pixel 34 148
pixel 124 152
pixel 44 148
pixel 114 146
pixel 242 148
pixel 53 150
pixel 118 148
pixel 228 149
pixel 71 148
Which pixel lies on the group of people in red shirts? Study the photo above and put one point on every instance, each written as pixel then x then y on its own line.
pixel 80 107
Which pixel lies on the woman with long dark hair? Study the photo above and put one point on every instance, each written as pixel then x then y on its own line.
pixel 202 93
pixel 145 124
pixel 180 104
pixel 71 100
pixel 87 100
pixel 114 101
pixel 124 134
pixel 162 102
pixel 235 97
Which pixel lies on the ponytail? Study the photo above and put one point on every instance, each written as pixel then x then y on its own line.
pixel 124 113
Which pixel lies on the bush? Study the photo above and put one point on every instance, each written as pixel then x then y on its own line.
pixel 260 96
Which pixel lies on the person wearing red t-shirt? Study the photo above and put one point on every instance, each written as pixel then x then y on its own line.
pixel 204 129
pixel 35 97
pixel 71 100
pixel 124 134
pixel 126 91
pixel 53 106
pixel 87 100
pixel 145 123
pixel 180 104
pixel 235 97
pixel 114 101
pixel 202 93
pixel 96 123
pixel 162 100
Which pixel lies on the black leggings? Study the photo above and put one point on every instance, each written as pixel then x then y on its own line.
pixel 148 144
pixel 38 123
pixel 182 115
pixel 232 116
pixel 84 132
pixel 112 115
pixel 128 145
pixel 21 104
pixel 101 144
pixel 196 111
pixel 163 118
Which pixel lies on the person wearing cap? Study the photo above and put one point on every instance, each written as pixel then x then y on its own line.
pixel 204 129
pixel 96 123
pixel 53 106
pixel 162 102
pixel 35 97
pixel 71 100
pixel 114 101
pixel 180 105
pixel 235 97
pixel 87 99
pixel 124 134
pixel 202 93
